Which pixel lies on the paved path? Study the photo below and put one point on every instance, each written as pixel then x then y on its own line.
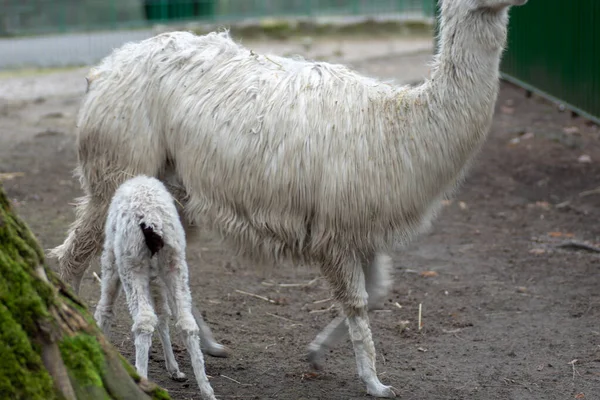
pixel 64 50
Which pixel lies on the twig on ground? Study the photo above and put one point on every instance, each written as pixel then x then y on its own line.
pixel 322 301
pixel 420 323
pixel 398 305
pixel 236 381
pixel 282 318
pixel 451 330
pixel 97 277
pixel 291 285
pixel 256 296
pixel 590 192
pixel 322 311
pixel 575 245
pixel 305 284
pixel 572 363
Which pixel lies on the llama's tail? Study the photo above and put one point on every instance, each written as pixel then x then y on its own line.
pixel 154 241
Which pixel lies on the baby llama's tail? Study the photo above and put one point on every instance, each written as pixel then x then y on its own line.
pixel 154 241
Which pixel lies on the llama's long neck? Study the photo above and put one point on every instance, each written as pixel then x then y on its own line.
pixel 453 110
pixel 466 70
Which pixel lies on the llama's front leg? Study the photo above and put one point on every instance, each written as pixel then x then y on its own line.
pixel 83 241
pixel 378 282
pixel 178 288
pixel 111 285
pixel 164 314
pixel 348 283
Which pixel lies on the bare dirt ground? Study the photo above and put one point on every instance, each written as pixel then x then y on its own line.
pixel 507 314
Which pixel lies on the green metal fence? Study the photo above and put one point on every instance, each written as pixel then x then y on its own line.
pixel 24 17
pixel 554 50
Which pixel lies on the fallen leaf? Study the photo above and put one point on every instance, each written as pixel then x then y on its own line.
pixel 522 289
pixel 537 251
pixel 571 130
pixel 507 110
pixel 584 159
pixel 560 234
pixel 514 141
pixel 446 202
pixel 309 376
pixel 527 135
pixel 580 396
pixel 429 274
pixel 281 301
pixel 543 204
pixel 7 176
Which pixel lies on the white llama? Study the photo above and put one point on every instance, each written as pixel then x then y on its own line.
pixel 144 251
pixel 291 159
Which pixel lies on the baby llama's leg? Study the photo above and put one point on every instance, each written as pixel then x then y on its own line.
pixel 164 314
pixel 136 284
pixel 348 284
pixel 111 285
pixel 378 283
pixel 176 280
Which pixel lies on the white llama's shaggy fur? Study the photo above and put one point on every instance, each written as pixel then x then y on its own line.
pixel 291 159
pixel 144 250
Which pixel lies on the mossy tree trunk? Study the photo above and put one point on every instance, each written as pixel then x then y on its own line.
pixel 50 347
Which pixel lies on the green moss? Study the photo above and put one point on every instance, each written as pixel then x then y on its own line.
pixel 89 391
pixel 129 368
pixel 24 316
pixel 22 372
pixel 160 394
pixel 83 358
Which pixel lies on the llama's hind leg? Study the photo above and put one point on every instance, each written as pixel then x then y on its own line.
pixel 348 284
pixel 83 241
pixel 378 282
pixel 164 314
pixel 111 285
pixel 209 345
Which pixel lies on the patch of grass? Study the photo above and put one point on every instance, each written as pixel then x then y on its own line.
pixel 26 72
pixel 284 29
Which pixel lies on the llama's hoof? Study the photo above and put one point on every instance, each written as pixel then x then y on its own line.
pixel 218 350
pixel 381 390
pixel 178 376
pixel 315 359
